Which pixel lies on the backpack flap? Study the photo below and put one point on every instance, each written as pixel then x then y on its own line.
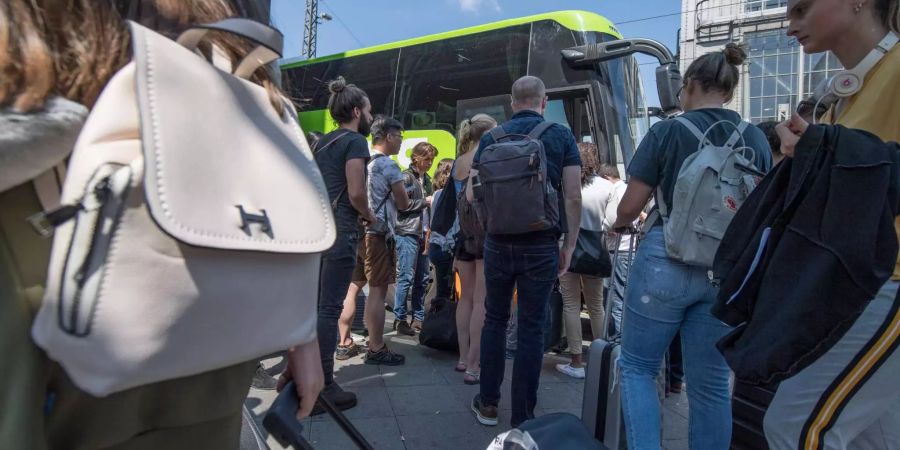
pixel 245 179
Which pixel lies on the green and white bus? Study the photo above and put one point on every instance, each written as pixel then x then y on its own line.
pixel 433 82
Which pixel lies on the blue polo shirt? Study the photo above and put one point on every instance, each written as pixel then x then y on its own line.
pixel 562 151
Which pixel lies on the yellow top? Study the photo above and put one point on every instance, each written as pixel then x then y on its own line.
pixel 876 109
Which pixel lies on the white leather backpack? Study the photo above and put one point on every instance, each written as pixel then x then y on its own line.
pixel 192 221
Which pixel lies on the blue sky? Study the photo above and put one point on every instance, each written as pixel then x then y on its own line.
pixel 378 21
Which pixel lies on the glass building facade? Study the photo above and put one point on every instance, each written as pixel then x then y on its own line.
pixel 776 64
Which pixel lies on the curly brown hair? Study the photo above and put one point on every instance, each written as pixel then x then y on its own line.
pixel 442 173
pixel 590 162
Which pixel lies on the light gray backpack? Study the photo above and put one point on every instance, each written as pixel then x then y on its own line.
pixel 711 185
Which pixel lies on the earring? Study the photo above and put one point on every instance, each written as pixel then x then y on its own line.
pixel 858 7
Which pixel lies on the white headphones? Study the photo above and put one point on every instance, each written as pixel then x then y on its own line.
pixel 850 81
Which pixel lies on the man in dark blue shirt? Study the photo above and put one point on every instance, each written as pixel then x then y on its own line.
pixel 529 262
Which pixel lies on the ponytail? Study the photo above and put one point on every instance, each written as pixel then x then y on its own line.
pixel 470 132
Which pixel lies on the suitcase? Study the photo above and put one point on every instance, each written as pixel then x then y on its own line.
pixel 359 318
pixel 601 409
pixel 553 325
pixel 748 408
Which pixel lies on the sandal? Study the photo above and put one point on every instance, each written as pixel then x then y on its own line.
pixel 460 366
pixel 472 377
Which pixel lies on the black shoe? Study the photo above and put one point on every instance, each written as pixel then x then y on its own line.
pixel 262 380
pixel 402 327
pixel 385 357
pixel 340 398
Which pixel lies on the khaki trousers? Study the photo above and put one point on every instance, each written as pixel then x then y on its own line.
pixel 571 286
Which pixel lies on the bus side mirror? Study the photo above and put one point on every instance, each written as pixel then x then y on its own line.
pixel 668 78
pixel 668 83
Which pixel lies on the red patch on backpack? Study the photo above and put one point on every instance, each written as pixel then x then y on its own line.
pixel 730 203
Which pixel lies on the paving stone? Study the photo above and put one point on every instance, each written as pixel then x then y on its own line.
pixel 447 431
pixel 372 401
pixel 383 433
pixel 424 400
pixel 358 374
pixel 422 375
pixel 674 426
pixel 558 396
pixel 676 444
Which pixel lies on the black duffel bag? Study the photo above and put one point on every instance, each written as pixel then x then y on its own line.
pixel 591 256
pixel 439 326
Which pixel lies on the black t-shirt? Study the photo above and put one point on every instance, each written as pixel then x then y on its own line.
pixel 332 160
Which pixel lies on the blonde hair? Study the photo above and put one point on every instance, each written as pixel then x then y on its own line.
pixel 470 132
pixel 72 48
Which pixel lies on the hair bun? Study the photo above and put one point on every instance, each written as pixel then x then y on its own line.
pixel 734 54
pixel 337 86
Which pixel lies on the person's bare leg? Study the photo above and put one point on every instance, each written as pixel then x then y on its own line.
pixel 476 320
pixel 375 317
pixel 467 281
pixel 346 319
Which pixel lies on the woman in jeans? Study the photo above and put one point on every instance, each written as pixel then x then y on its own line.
pixel 596 194
pixel 665 296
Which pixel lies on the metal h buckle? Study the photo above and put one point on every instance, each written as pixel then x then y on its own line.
pixel 262 219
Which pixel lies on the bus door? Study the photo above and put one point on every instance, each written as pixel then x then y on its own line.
pixel 575 108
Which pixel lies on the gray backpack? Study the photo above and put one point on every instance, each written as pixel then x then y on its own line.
pixel 711 185
pixel 512 192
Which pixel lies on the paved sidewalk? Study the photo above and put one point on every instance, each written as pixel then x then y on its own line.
pixel 424 405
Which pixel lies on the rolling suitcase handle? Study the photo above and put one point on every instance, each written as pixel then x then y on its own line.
pixel 281 421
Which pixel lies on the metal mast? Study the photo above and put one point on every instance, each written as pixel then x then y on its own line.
pixel 310 29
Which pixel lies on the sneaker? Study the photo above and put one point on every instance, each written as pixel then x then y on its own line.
pixel 345 352
pixel 567 369
pixel 340 398
pixel 417 326
pixel 262 380
pixel 385 357
pixel 402 327
pixel 486 414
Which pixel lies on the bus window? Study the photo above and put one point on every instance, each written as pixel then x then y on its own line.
pixel 627 107
pixel 497 106
pixel 374 73
pixel 435 76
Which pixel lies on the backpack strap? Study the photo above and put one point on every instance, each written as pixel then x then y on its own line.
pixel 538 130
pixel 737 135
pixel 692 128
pixel 498 133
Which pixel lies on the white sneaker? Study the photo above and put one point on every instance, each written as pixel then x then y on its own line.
pixel 574 372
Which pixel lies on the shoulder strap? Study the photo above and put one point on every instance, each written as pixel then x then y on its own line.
pixel 320 147
pixel 690 126
pixel 498 133
pixel 737 135
pixel 538 130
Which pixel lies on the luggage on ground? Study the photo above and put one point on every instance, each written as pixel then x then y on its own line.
pixel 439 326
pixel 711 185
pixel 548 432
pixel 512 192
pixel 553 323
pixel 170 254
pixel 281 421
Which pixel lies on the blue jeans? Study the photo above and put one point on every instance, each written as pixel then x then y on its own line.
pixel 334 279
pixel 530 268
pixel 412 267
pixel 443 271
pixel 663 297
